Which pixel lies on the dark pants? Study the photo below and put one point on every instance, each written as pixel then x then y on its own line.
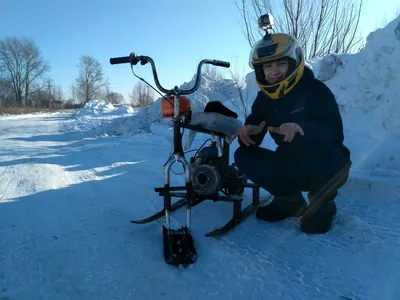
pixel 282 173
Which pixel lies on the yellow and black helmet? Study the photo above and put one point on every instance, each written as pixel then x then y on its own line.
pixel 274 48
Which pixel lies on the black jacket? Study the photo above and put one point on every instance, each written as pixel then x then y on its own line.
pixel 310 104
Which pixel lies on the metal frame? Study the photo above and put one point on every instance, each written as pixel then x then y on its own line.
pixel 178 156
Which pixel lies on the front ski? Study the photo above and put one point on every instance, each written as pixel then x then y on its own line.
pixel 234 221
pixel 179 247
pixel 161 213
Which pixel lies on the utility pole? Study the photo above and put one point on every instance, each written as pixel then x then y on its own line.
pixel 73 92
pixel 49 91
pixel 49 87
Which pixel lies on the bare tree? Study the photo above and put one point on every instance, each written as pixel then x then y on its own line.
pixel 42 99
pixel 239 79
pixel 21 64
pixel 320 26
pixel 141 94
pixel 213 72
pixel 90 82
pixel 58 93
pixel 114 98
pixel 6 92
pixel 72 90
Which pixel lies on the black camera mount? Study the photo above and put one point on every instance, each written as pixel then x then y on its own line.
pixel 266 23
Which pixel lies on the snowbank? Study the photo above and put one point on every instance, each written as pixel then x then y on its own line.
pixel 35 178
pixel 95 107
pixel 104 119
pixel 366 87
pixel 99 107
pixel 96 116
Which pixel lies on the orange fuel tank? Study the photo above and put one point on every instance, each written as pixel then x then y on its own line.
pixel 167 106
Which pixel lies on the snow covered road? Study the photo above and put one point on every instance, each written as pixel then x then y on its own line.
pixel 66 199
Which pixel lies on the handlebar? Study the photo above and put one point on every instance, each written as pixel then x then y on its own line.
pixel 133 59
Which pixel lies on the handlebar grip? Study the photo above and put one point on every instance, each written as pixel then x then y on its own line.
pixel 221 63
pixel 120 60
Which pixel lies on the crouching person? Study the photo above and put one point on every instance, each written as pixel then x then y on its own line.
pixel 302 116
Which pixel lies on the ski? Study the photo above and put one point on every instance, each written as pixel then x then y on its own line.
pixel 246 212
pixel 179 247
pixel 161 213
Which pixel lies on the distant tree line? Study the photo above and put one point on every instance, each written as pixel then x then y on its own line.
pixel 24 80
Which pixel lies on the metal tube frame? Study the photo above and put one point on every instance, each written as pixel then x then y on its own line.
pixel 178 154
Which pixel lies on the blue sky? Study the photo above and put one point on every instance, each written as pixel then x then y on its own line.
pixel 176 33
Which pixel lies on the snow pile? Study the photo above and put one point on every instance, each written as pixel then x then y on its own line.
pixel 325 68
pixel 28 179
pixel 95 107
pixel 97 115
pixel 214 89
pixel 103 119
pixel 366 87
pixel 99 107
pixel 124 109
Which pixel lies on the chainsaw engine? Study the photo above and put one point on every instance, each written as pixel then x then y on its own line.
pixel 209 175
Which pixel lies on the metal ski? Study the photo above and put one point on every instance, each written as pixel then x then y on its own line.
pixel 246 212
pixel 161 213
pixel 179 246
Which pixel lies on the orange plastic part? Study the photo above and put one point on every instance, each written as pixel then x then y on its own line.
pixel 167 107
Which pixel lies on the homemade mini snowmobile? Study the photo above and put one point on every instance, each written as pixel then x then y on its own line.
pixel 208 175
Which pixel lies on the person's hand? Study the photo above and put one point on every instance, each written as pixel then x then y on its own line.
pixel 246 131
pixel 289 130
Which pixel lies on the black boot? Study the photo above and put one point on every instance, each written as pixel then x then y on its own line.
pixel 282 207
pixel 318 218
